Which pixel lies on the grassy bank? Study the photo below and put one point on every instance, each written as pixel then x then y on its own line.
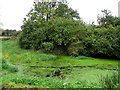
pixel 25 68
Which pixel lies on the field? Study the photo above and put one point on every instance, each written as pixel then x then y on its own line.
pixel 27 68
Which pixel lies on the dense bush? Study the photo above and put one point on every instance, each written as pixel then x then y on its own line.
pixel 46 27
pixel 47 46
pixel 75 48
pixel 54 33
pixel 102 42
pixel 74 38
pixel 47 31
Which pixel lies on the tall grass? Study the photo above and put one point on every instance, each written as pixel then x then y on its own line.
pixel 40 82
pixel 47 57
pixel 8 66
pixel 34 67
pixel 110 81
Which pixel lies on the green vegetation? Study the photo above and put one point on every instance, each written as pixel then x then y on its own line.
pixel 60 27
pixel 7 66
pixel 34 69
pixel 102 42
pixel 56 49
pixel 110 81
pixel 48 28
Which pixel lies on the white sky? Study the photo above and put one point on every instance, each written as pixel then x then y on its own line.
pixel 12 12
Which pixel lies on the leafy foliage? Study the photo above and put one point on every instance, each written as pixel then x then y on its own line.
pixel 51 25
pixel 107 19
pixel 65 12
pixel 47 29
pixel 102 42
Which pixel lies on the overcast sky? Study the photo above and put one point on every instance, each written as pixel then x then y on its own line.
pixel 12 12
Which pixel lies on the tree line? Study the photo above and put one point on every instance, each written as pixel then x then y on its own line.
pixel 53 25
pixel 8 32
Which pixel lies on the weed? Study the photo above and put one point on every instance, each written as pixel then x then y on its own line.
pixel 110 81
pixel 8 66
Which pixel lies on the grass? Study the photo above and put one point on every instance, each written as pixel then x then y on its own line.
pixel 110 81
pixel 9 67
pixel 27 68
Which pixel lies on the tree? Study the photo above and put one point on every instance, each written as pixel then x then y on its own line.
pixel 49 24
pixel 64 11
pixel 107 19
pixel 43 11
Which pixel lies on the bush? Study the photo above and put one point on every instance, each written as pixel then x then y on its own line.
pixel 52 34
pixel 75 48
pixel 102 42
pixel 46 30
pixel 47 46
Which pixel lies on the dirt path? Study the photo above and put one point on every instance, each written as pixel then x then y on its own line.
pixel 4 37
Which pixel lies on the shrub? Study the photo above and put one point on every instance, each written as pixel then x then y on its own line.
pixel 75 48
pixel 52 34
pixel 47 46
pixel 43 29
pixel 102 42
